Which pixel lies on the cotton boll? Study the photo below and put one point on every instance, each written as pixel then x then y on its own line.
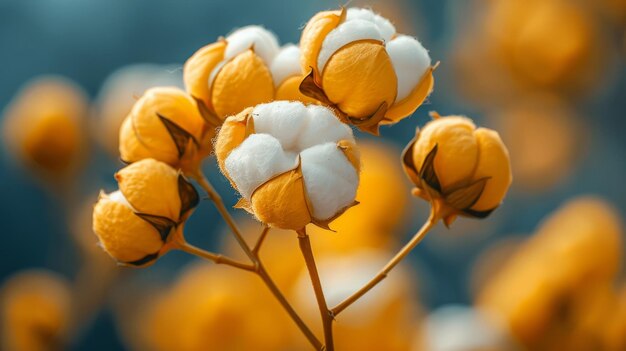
pixel 286 64
pixel 410 61
pixel 323 127
pixel 285 120
pixel 330 179
pixel 386 29
pixel 118 197
pixel 259 158
pixel 264 42
pixel 344 34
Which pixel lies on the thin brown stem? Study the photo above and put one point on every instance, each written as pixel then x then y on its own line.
pixel 259 269
pixel 326 314
pixel 430 223
pixel 217 258
pixel 260 240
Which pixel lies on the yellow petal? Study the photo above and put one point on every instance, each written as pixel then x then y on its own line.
pixel 359 77
pixel 409 104
pixel 243 82
pixel 151 187
pixel 231 135
pixel 312 37
pixel 281 202
pixel 197 70
pixel 124 235
pixel 289 90
pixel 493 162
pixel 457 152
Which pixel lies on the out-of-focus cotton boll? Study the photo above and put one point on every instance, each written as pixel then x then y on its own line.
pixel 119 92
pixel 383 319
pixel 545 139
pixel 462 328
pixel 357 62
pixel 216 307
pixel 44 127
pixel 35 311
pixel 292 164
pixel 383 195
pixel 584 237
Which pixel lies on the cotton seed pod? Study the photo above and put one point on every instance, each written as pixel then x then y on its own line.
pixel 142 220
pixel 43 126
pixel 292 164
pixel 166 124
pixel 356 62
pixel 35 311
pixel 461 169
pixel 246 68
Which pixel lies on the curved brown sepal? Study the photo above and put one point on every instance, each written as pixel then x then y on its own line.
pixel 325 224
pixel 180 136
pixel 478 214
pixel 308 87
pixel 147 259
pixel 466 196
pixel 371 124
pixel 209 116
pixel 162 224
pixel 427 172
pixel 409 164
pixel 189 197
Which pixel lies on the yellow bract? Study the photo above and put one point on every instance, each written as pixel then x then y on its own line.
pixel 165 124
pixel 35 309
pixel 468 168
pixel 44 126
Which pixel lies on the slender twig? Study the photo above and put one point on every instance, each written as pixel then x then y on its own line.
pixel 259 242
pixel 430 223
pixel 259 269
pixel 217 258
pixel 327 316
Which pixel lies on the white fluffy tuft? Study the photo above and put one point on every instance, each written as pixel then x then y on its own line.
pixel 324 127
pixel 345 33
pixel 410 61
pixel 386 29
pixel 329 178
pixel 264 42
pixel 284 120
pixel 258 159
pixel 286 64
pixel 118 197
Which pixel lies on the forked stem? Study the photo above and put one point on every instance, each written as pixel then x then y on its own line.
pixel 417 238
pixel 326 314
pixel 257 265
pixel 217 258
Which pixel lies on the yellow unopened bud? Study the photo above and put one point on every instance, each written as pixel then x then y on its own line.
pixel 165 124
pixel 464 169
pixel 136 223
pixel 356 62
pixel 44 126
pixel 35 309
pixel 292 164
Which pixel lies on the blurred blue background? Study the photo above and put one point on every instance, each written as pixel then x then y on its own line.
pixel 87 40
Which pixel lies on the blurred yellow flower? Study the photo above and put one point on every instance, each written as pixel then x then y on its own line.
pixel 44 126
pixel 136 224
pixel 165 124
pixel 35 309
pixel 461 169
pixel 357 63
pixel 292 164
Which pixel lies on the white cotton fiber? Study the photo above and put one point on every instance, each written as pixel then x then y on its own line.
pixel 264 42
pixel 410 61
pixel 323 127
pixel 258 159
pixel 118 197
pixel 284 120
pixel 286 64
pixel 345 33
pixel 386 29
pixel 329 178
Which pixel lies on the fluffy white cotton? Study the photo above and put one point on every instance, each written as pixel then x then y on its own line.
pixel 410 61
pixel 264 42
pixel 324 127
pixel 386 29
pixel 118 197
pixel 286 64
pixel 343 275
pixel 345 33
pixel 285 120
pixel 461 328
pixel 329 178
pixel 258 159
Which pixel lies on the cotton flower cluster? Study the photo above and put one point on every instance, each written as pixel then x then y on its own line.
pixel 292 164
pixel 357 62
pixel 245 69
